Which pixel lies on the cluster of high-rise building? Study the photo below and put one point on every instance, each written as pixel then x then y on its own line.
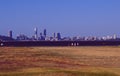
pixel 42 36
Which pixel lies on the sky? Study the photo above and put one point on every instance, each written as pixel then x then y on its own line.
pixel 69 17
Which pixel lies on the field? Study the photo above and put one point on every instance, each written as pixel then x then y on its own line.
pixel 60 61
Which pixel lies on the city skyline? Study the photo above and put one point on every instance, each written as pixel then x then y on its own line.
pixel 71 18
pixel 36 33
pixel 55 36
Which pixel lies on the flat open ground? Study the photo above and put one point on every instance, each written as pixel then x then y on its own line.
pixel 60 61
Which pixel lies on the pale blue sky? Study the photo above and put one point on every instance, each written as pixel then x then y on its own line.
pixel 70 17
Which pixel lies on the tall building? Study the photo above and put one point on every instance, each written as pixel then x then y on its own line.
pixel 40 38
pixel 45 32
pixel 58 36
pixel 54 35
pixel 36 33
pixel 10 34
pixel 114 36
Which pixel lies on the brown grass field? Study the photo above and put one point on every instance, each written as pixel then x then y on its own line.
pixel 60 61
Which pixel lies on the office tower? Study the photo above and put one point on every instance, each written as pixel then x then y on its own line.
pixel 40 36
pixel 114 36
pixel 54 35
pixel 45 32
pixel 10 34
pixel 58 36
pixel 36 31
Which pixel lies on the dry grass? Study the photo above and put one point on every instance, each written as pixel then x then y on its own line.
pixel 60 61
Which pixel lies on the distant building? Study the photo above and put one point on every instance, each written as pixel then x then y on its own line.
pixel 66 38
pixel 41 37
pixel 54 35
pixel 36 33
pixel 22 37
pixel 114 36
pixel 45 32
pixel 10 34
pixel 74 38
pixel 59 36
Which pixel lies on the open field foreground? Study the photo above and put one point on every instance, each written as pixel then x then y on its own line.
pixel 60 61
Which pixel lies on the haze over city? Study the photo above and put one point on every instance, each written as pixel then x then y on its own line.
pixel 69 17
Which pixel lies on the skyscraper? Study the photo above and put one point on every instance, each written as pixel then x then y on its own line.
pixel 10 34
pixel 58 36
pixel 45 32
pixel 54 35
pixel 114 36
pixel 35 33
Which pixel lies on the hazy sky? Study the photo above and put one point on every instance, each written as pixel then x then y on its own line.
pixel 69 17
